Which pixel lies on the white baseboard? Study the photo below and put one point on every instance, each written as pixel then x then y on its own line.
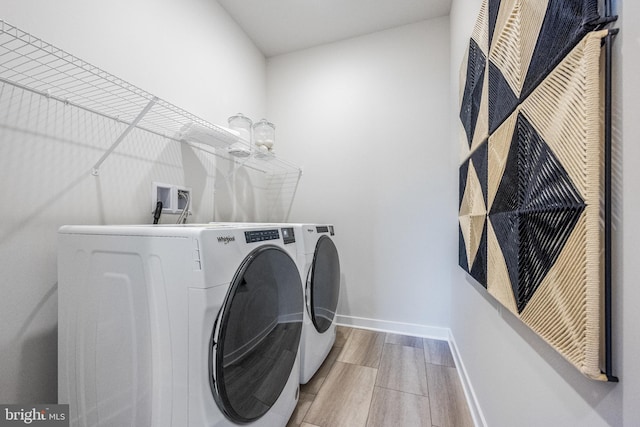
pixel 394 327
pixel 433 332
pixel 472 400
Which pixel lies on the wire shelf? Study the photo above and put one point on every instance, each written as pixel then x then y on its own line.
pixel 35 66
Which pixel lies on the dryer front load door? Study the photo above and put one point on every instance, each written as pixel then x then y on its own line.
pixel 323 284
pixel 257 333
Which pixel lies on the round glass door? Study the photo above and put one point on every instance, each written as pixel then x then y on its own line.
pixel 255 340
pixel 323 284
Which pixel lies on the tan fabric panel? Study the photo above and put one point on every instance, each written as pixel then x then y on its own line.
pixel 499 144
pixel 566 313
pixel 505 44
pixel 472 227
pixel 473 200
pixel 481 30
pixel 572 127
pixel 565 109
pixel 472 214
pixel 498 282
pixel 514 39
pixel 475 233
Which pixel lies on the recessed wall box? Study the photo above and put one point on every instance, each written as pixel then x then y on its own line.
pixel 172 203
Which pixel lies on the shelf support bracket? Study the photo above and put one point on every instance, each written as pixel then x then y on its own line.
pixel 96 168
pixel 293 196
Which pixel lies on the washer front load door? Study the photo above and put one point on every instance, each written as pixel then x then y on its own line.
pixel 323 284
pixel 255 341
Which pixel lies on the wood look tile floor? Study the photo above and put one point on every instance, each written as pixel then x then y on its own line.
pixel 377 379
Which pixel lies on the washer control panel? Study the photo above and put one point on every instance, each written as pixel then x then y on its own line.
pixel 261 235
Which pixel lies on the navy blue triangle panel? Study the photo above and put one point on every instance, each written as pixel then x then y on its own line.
pixel 542 235
pixel 479 268
pixel 534 179
pixel 472 89
pixel 507 196
pixel 502 100
pixel 494 7
pixel 534 212
pixel 464 170
pixel 480 163
pixel 565 23
pixel 543 184
pixel 462 251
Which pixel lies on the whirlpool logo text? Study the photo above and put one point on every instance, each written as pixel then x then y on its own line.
pixel 226 239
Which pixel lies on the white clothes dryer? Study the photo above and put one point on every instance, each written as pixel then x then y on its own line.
pixel 319 266
pixel 178 325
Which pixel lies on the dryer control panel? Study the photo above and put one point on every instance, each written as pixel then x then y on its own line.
pixel 325 229
pixel 261 235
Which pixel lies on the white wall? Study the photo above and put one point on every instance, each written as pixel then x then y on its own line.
pixel 190 53
pixel 517 378
pixel 367 119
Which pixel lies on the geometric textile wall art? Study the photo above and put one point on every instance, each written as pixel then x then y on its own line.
pixel 531 175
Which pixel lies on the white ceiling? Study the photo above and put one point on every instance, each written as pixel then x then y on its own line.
pixel 281 26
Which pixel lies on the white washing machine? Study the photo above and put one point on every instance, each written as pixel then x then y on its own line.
pixel 319 267
pixel 178 325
